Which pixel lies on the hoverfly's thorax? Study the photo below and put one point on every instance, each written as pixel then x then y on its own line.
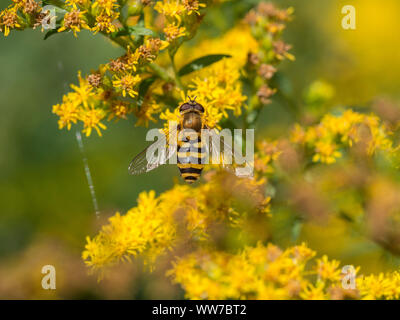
pixel 192 120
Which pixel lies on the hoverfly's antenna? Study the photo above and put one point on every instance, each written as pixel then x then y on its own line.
pixel 192 100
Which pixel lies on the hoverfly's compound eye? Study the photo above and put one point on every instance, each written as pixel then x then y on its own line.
pixel 199 107
pixel 184 107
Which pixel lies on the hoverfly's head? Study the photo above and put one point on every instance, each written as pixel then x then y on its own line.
pixel 191 106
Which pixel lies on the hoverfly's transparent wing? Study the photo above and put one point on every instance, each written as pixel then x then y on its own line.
pixel 152 157
pixel 226 155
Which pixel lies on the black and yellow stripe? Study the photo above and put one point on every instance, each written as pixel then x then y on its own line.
pixel 191 157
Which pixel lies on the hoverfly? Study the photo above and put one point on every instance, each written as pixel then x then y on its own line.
pixel 192 152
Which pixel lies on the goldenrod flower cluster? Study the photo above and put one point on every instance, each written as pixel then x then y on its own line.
pixel 219 233
pixel 267 272
pixel 141 81
pixel 159 224
pixel 22 14
pixel 334 133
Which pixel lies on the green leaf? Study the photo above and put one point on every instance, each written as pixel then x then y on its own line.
pixel 201 63
pixel 135 31
pixel 50 33
pixel 143 87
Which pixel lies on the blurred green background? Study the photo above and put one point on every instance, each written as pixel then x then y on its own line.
pixel 46 210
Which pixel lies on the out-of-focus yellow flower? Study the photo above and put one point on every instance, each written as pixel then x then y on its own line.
pixel 78 3
pixel 328 270
pixel 151 227
pixel 170 8
pixel 106 5
pixel 120 110
pixel 193 6
pixel 173 32
pixel 326 152
pixel 319 92
pixel 261 272
pixel 334 132
pixel 146 112
pixel 379 286
pixel 237 42
pixel 312 292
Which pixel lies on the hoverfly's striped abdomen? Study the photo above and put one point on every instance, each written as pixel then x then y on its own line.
pixel 191 157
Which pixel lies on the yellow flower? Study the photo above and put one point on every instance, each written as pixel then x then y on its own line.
pixel 127 83
pixel 220 90
pixel 9 20
pixel 326 152
pixel 83 92
pixel 68 111
pixel 173 32
pixel 146 229
pixel 146 112
pixel 334 132
pixel 192 6
pixel 151 47
pixel 91 120
pixel 237 42
pixel 170 8
pixel 104 23
pixel 328 270
pixel 120 110
pixel 74 20
pixel 78 3
pixel 106 5
pixel 314 293
pixel 374 287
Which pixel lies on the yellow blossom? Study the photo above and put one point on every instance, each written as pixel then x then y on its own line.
pixel 334 132
pixel 120 110
pixel 107 5
pixel 314 293
pixel 77 3
pixel 127 83
pixel 193 6
pixel 9 20
pixel 104 23
pixel 173 32
pixel 83 92
pixel 74 20
pixel 170 8
pixel 326 152
pixel 91 118
pixel 328 270
pixel 146 112
pixel 68 111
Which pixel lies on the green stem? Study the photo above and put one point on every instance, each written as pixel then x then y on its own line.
pixel 178 81
pixel 161 72
pixel 121 42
